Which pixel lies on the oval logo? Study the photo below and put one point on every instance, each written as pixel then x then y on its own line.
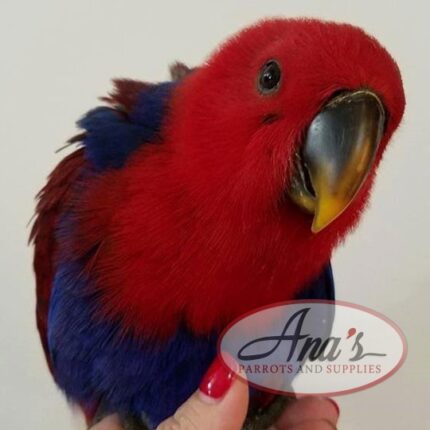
pixel 313 347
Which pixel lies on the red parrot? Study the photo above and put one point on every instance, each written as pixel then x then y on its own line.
pixel 189 203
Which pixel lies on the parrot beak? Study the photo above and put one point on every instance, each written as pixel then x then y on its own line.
pixel 337 155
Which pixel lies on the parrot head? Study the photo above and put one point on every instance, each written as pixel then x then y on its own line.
pixel 289 119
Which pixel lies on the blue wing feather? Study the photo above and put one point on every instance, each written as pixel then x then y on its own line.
pixel 113 135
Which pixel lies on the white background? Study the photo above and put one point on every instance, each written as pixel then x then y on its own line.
pixel 56 57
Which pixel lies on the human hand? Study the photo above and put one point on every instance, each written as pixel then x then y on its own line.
pixel 221 403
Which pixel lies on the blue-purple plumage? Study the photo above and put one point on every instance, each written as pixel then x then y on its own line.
pixel 112 135
pixel 94 362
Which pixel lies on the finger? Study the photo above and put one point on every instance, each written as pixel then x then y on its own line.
pixel 221 403
pixel 309 409
pixel 109 423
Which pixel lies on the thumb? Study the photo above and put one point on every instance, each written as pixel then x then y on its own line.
pixel 220 403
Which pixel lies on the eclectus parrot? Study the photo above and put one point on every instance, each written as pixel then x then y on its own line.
pixel 191 202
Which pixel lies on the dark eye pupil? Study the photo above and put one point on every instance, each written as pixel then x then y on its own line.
pixel 270 77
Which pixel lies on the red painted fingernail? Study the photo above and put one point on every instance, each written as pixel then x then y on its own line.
pixel 217 380
pixel 336 406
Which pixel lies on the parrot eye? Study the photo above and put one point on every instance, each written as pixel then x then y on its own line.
pixel 270 77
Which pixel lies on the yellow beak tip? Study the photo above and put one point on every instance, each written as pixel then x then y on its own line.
pixel 316 228
pixel 328 210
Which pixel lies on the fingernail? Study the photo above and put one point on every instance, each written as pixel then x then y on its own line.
pixel 336 406
pixel 217 381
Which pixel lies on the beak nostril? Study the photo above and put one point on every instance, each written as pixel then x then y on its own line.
pixel 269 118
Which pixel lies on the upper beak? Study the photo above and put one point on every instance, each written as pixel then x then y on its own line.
pixel 338 153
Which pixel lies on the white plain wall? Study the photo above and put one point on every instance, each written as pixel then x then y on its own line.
pixel 57 57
